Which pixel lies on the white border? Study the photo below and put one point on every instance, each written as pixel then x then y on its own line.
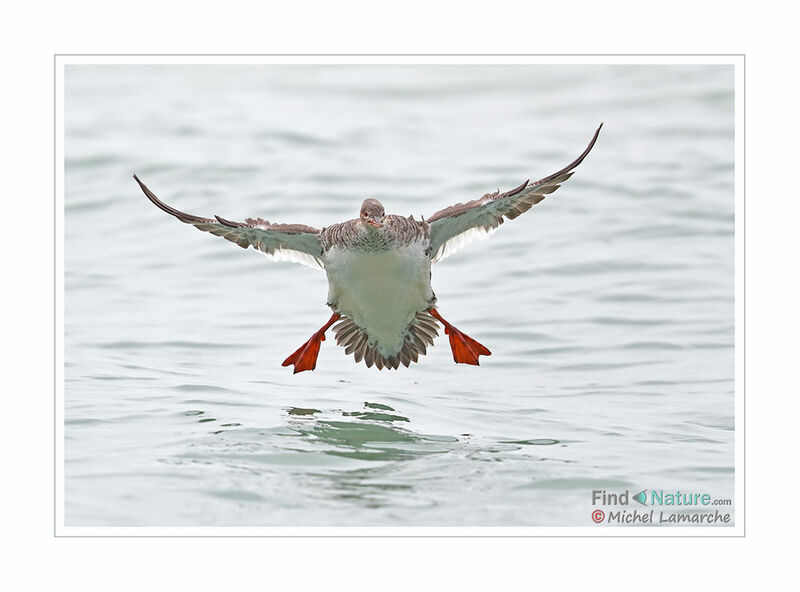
pixel 334 59
pixel 58 255
pixel 738 529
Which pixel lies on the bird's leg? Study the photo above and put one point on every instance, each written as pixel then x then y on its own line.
pixel 465 349
pixel 305 358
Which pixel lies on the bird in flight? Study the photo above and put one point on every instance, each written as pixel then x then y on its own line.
pixel 379 268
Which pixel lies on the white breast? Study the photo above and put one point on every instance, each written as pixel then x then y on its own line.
pixel 380 291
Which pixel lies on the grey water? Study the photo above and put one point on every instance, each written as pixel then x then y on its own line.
pixel 608 307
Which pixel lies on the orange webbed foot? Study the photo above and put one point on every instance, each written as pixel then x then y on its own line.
pixel 465 349
pixel 305 357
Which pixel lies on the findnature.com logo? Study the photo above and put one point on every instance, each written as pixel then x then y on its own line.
pixel 674 507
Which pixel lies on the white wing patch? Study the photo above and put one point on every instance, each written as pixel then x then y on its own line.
pixel 295 257
pixel 459 241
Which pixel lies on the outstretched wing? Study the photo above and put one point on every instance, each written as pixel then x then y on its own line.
pixel 455 226
pixel 283 242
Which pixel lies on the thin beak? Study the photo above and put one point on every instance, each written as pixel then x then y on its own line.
pixel 374 223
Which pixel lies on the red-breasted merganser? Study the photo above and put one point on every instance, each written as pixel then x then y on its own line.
pixel 379 268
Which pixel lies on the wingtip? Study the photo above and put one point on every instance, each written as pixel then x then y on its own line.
pixel 517 189
pixel 142 186
pixel 225 222
pixel 591 145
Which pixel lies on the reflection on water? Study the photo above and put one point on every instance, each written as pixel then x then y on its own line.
pixel 376 447
pixel 375 436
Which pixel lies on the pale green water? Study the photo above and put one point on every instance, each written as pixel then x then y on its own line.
pixel 608 308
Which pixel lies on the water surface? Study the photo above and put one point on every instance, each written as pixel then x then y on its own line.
pixel 608 307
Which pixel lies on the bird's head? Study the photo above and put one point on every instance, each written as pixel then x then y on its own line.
pixel 372 213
